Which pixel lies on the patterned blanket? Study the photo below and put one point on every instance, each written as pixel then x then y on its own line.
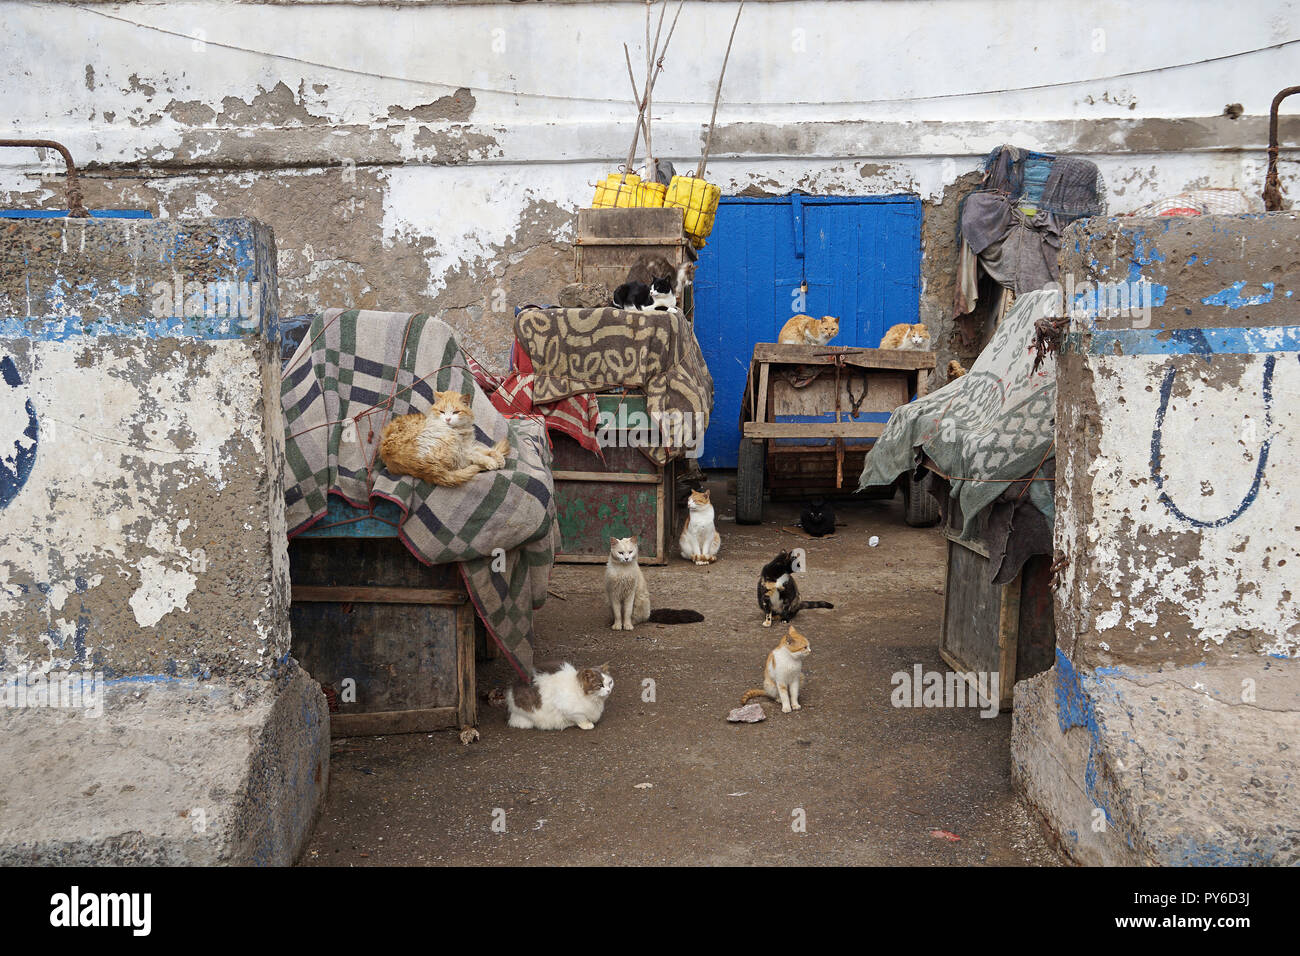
pixel 577 416
pixel 593 350
pixel 993 425
pixel 354 371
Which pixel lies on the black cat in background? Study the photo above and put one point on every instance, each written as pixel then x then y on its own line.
pixel 818 518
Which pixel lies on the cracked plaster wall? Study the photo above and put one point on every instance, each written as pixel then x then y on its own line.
pixel 431 156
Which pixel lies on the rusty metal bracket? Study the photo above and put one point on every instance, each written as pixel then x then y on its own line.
pixel 1273 191
pixel 76 206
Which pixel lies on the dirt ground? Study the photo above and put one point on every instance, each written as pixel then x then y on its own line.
pixel 867 780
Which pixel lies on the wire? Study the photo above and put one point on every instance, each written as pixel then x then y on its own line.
pixel 441 84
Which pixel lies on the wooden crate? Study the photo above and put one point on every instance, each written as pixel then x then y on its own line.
pixel 625 494
pixel 1004 629
pixel 610 241
pixel 403 633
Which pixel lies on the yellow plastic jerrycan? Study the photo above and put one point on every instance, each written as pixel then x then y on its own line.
pixel 699 202
pixel 610 194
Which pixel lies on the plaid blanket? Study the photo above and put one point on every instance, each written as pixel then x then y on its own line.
pixel 995 424
pixel 354 371
pixel 593 350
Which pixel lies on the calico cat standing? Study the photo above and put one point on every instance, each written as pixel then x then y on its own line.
pixel 629 595
pixel 904 336
pixel 560 696
pixel 783 672
pixel 778 595
pixel 805 330
pixel 439 446
pixel 700 540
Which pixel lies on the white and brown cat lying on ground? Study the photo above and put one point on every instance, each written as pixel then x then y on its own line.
pixel 560 696
pixel 783 672
pixel 439 446
pixel 700 540
pixel 805 330
pixel 629 595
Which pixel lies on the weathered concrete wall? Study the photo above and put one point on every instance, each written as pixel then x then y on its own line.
pixel 431 155
pixel 143 556
pixel 1166 731
pixel 1179 442
pixel 147 538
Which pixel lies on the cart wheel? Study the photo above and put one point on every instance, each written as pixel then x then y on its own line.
pixel 749 481
pixel 920 510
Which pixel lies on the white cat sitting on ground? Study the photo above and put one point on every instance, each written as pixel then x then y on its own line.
pixel 560 696
pixel 629 595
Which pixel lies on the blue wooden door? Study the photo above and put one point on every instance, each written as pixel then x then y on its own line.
pixel 859 256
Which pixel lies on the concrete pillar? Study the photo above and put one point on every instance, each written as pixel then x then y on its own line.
pixel 144 639
pixel 1168 731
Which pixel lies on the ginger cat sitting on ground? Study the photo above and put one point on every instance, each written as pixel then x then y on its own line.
pixel 805 330
pixel 783 672
pixel 439 447
pixel 904 336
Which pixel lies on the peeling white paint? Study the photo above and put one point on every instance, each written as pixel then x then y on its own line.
pixel 162 590
pixel 1218 582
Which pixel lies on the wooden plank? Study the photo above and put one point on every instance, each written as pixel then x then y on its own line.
pixel 885 391
pixel 973 544
pixel 813 429
pixel 607 476
pixel 977 634
pixel 631 221
pixel 825 355
pixel 394 722
pixel 342 594
pixel 1008 634
pixel 379 658
pixel 466 691
pixel 761 401
pixel 660 542
pixel 627 241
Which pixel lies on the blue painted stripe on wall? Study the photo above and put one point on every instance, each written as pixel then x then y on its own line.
pixel 63 214
pixel 1234 341
pixel 62 328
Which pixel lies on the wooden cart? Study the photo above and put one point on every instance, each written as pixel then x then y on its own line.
pixel 811 413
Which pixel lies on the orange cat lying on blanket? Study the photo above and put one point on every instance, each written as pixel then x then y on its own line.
pixel 439 447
